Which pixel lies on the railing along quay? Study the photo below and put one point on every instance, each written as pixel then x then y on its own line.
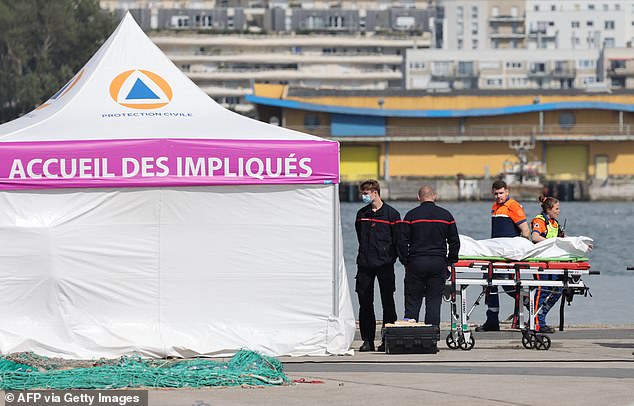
pixel 580 132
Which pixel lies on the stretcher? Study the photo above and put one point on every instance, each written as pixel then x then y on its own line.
pixel 487 272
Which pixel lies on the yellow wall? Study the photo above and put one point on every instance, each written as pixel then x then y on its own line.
pixel 359 162
pixel 620 157
pixel 273 91
pixel 422 122
pixel 529 119
pixel 295 118
pixel 444 160
pixel 584 117
pixel 567 161
pixel 431 102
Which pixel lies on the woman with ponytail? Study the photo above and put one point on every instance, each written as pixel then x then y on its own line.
pixel 543 226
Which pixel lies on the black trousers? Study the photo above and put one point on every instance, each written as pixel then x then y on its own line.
pixel 365 290
pixel 425 278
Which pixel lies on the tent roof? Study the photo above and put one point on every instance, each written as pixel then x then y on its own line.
pixel 130 90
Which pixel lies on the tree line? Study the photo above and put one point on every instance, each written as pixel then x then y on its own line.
pixel 43 43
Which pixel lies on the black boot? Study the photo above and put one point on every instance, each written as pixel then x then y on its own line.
pixel 492 323
pixel 367 346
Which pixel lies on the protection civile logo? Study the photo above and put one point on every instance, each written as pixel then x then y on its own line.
pixel 140 89
pixel 61 92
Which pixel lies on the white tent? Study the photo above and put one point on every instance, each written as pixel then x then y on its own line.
pixel 138 216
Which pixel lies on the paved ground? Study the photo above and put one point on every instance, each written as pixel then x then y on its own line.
pixel 585 366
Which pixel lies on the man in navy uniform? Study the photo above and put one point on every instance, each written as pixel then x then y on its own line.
pixel 428 243
pixel 376 226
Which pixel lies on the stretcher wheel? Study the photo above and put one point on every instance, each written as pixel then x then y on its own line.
pixel 464 345
pixel 542 342
pixel 451 342
pixel 528 340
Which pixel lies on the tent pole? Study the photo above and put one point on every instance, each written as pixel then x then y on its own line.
pixel 335 249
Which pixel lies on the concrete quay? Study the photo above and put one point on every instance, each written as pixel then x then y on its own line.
pixel 592 365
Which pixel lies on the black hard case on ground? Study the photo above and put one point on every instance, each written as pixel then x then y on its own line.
pixel 411 340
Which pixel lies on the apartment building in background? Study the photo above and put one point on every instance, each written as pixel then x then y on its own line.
pixel 279 16
pixel 494 69
pixel 483 24
pixel 227 46
pixel 579 24
pixel 226 67
pixel 438 45
pixel 537 24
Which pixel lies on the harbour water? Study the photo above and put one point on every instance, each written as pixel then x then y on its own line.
pixel 610 224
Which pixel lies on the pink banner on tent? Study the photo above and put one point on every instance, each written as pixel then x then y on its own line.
pixel 166 162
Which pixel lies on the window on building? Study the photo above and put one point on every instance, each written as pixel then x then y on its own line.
pixel 495 11
pixel 617 64
pixel 618 82
pixel 474 12
pixel 514 11
pixel 590 6
pixel 606 7
pixel 311 121
pixel 617 7
pixel 590 23
pixel 474 44
pixel 460 43
pixel 609 42
pixel 460 12
pixel 609 25
pixel 518 82
pixel 586 63
pixel 514 65
pixel 553 7
pixel 536 7
pixel 484 65
pixel 577 7
pixel 465 68
pixel 574 24
pixel 440 68
pixel 460 29
pixel 516 28
pixel 494 82
pixel 180 21
pixel 567 120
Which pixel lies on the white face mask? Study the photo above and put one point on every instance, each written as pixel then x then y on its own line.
pixel 367 199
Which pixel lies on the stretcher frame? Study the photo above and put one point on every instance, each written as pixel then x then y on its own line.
pixel 494 271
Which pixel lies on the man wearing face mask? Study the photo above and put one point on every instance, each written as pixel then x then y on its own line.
pixel 376 226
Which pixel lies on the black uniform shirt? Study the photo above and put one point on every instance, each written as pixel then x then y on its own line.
pixel 426 231
pixel 377 232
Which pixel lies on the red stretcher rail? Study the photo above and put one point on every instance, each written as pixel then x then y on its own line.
pixel 576 266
